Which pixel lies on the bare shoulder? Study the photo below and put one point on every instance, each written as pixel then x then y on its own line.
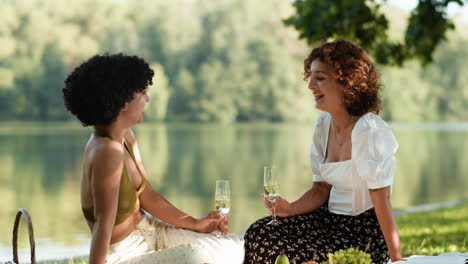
pixel 108 148
pixel 106 156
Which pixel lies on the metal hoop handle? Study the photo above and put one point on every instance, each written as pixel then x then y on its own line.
pixel 32 244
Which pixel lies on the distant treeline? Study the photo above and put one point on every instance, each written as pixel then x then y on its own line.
pixel 215 61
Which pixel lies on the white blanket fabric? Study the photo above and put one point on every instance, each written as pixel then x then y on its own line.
pixel 445 258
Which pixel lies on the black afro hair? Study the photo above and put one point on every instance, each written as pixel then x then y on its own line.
pixel 98 89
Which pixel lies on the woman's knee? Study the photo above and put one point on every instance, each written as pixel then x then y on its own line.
pixel 256 229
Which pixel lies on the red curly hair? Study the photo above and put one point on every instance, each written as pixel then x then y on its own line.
pixel 355 71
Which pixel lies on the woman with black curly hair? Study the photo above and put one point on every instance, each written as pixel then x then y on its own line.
pixel 109 93
pixel 352 159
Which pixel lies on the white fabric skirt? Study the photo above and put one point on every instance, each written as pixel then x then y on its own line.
pixel 154 241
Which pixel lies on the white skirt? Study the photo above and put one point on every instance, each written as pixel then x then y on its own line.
pixel 154 241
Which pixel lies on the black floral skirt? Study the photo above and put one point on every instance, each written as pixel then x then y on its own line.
pixel 314 234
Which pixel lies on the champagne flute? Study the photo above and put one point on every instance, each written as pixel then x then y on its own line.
pixel 271 188
pixel 222 197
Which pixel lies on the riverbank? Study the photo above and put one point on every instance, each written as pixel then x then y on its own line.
pixel 422 232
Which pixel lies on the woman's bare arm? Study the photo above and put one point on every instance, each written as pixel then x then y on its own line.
pixel 383 209
pixel 106 170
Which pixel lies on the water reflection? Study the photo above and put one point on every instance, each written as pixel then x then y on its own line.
pixel 41 167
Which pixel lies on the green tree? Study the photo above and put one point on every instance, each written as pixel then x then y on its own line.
pixel 219 61
pixel 184 90
pixel 362 21
pixel 449 80
pixel 213 101
pixel 159 94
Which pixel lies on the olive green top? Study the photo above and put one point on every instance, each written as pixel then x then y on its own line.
pixel 128 196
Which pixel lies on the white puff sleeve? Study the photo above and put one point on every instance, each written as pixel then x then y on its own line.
pixel 317 152
pixel 374 147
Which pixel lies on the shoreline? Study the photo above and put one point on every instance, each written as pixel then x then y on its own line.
pixel 429 207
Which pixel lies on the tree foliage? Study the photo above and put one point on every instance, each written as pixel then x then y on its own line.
pixel 214 61
pixel 362 22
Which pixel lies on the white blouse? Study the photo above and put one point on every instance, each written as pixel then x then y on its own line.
pixel 371 166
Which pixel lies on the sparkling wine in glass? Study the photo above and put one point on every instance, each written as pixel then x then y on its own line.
pixel 271 188
pixel 222 197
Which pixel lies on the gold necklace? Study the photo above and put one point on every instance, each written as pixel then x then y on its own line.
pixel 338 134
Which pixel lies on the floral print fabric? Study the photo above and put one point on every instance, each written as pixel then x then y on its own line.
pixel 313 235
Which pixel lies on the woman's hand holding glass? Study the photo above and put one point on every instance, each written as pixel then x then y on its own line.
pixel 271 188
pixel 223 204
pixel 212 222
pixel 281 207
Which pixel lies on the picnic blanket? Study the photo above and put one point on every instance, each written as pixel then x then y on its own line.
pixel 444 258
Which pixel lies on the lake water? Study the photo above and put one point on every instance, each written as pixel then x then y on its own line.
pixel 40 168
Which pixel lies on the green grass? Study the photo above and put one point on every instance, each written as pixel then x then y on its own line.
pixel 435 232
pixel 77 260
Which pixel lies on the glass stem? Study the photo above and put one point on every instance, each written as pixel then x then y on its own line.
pixel 274 212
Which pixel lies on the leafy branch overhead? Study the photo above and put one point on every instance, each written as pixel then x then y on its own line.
pixel 361 21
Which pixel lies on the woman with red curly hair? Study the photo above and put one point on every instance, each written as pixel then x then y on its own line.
pixel 352 159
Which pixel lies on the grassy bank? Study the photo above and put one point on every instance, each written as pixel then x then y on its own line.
pixel 435 232
pixel 428 233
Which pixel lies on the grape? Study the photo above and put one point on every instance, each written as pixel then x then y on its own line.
pixel 348 256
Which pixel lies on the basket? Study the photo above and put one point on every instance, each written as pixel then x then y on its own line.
pixel 32 244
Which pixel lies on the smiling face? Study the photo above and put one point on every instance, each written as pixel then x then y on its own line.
pixel 327 91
